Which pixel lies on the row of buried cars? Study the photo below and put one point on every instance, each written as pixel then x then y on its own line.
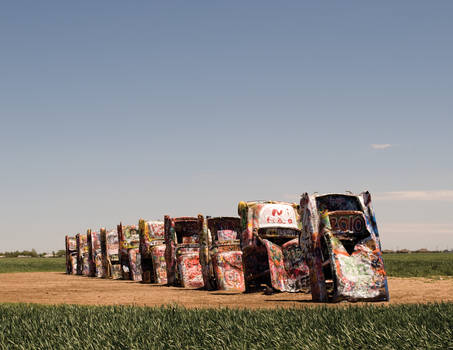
pixel 328 245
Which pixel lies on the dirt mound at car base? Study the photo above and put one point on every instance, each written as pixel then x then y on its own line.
pixel 59 288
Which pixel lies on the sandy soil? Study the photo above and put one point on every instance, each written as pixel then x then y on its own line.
pixel 59 288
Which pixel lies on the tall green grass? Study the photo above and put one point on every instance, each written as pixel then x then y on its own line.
pixel 113 327
pixel 32 264
pixel 419 264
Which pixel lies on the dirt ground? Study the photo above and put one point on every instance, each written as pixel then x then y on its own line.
pixel 59 288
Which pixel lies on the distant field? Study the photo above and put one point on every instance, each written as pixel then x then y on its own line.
pixel 108 327
pixel 32 264
pixel 419 264
pixel 396 265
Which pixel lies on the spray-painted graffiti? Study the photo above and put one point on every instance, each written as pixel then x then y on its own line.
pixel 159 266
pixel 223 266
pixel 129 240
pixel 288 269
pixel 110 253
pixel 152 244
pixel 189 267
pixel 341 242
pixel 71 255
pixel 96 255
pixel 182 252
pixel 281 215
pixel 269 243
pixel 83 262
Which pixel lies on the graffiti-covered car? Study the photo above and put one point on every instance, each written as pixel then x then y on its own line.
pixel 222 260
pixel 71 255
pixel 110 254
pixel 152 251
pixel 83 261
pixel 271 252
pixel 95 254
pixel 182 253
pixel 341 241
pixel 130 258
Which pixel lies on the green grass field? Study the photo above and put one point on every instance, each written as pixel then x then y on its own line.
pixel 124 327
pixel 32 264
pixel 94 327
pixel 397 265
pixel 419 264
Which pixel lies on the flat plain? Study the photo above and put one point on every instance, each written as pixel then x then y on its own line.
pixel 396 265
pixel 48 309
pixel 59 288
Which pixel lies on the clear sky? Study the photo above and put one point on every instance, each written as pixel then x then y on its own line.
pixel 114 110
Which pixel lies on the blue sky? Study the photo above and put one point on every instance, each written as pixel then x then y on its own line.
pixel 113 111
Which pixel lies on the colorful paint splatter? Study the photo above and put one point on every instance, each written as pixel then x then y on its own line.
pixel 182 253
pixel 189 267
pixel 288 269
pixel 83 261
pixel 223 267
pixel 110 253
pixel 95 253
pixel 228 268
pixel 341 242
pixel 152 249
pixel 269 241
pixel 159 265
pixel 129 240
pixel 71 255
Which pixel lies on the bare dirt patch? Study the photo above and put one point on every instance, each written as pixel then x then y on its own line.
pixel 59 288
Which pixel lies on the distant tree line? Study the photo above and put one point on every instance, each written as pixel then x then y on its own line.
pixel 422 250
pixel 33 254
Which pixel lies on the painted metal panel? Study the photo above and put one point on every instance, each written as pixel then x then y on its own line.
pixel 71 255
pixel 269 242
pixel 182 253
pixel 342 244
pixel 223 269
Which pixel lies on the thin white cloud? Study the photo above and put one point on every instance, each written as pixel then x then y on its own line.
pixel 439 195
pixel 416 235
pixel 417 227
pixel 381 145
